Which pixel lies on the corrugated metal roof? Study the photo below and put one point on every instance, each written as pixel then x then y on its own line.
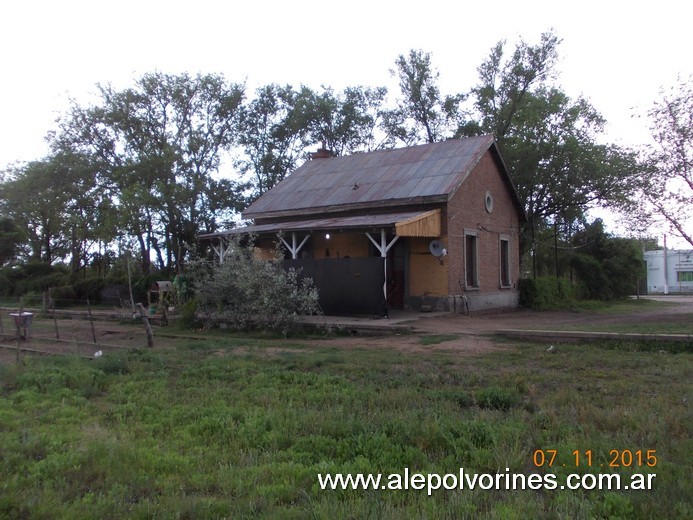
pixel 370 179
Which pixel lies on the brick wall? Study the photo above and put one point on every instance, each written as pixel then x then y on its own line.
pixel 467 212
pixel 427 276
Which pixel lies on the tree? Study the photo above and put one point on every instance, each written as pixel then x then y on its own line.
pixel 549 141
pixel 154 149
pixel 344 122
pixel 35 198
pixel 58 204
pixel 278 125
pixel 667 189
pixel 505 83
pixel 557 165
pixel 89 213
pixel 422 113
pixel 271 135
pixel 11 238
pixel 607 267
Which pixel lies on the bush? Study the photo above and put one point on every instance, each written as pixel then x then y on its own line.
pixel 89 289
pixel 607 267
pixel 45 282
pixel 529 291
pixel 545 293
pixel 246 292
pixel 63 296
pixel 32 277
pixel 593 279
pixel 187 318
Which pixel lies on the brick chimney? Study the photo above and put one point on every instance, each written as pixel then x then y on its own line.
pixel 322 153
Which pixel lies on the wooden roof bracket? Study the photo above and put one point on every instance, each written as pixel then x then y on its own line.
pixel 223 250
pixel 294 248
pixel 383 247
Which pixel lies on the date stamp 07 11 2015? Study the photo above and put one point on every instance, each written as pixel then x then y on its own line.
pixel 585 458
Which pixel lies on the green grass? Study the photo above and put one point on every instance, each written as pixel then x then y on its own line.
pixel 236 428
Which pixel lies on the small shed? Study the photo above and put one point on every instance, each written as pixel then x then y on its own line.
pixel 159 292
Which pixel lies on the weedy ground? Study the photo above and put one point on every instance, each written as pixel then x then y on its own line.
pixel 240 427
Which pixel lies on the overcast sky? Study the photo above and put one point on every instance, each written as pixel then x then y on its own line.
pixel 617 54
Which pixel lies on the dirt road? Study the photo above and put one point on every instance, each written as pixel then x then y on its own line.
pixel 473 332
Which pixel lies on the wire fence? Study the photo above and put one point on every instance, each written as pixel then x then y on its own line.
pixel 76 327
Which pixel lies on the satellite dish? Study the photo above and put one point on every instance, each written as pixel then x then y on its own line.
pixel 437 249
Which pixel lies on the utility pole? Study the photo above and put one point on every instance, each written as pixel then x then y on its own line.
pixel 666 268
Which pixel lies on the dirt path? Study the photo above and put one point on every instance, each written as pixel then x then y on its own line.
pixel 473 332
pixel 680 311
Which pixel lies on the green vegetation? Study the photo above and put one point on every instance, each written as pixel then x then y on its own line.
pixel 247 292
pixel 593 266
pixel 546 293
pixel 162 139
pixel 240 428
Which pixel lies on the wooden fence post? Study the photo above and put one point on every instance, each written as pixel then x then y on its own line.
pixel 55 320
pixel 91 321
pixel 18 322
pixel 147 326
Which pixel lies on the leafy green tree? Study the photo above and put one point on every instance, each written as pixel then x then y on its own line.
pixel 279 123
pixel 550 142
pixel 667 187
pixel 557 163
pixel 89 211
pixel 504 83
pixel 422 113
pixel 271 135
pixel 60 207
pixel 344 122
pixel 607 267
pixel 11 239
pixel 155 149
pixel 35 197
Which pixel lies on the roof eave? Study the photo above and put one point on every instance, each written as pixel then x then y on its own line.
pixel 506 171
pixel 341 208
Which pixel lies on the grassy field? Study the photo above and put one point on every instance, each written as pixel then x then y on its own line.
pixel 240 428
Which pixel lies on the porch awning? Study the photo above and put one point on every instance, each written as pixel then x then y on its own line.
pixel 407 224
pixel 421 225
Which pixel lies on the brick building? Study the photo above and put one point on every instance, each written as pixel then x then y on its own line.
pixel 433 226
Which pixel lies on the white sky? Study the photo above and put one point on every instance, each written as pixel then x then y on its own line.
pixel 617 54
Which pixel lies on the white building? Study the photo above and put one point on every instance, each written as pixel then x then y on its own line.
pixel 669 271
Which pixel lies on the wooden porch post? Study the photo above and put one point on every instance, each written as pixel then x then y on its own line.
pixel 383 249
